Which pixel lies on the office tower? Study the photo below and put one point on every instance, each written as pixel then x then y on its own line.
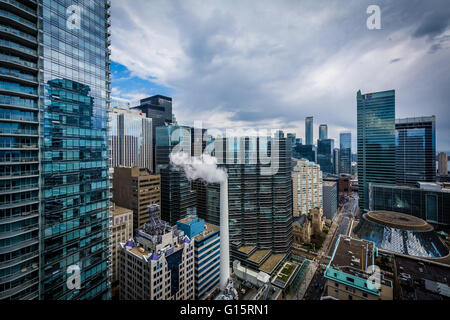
pixel 206 239
pixel 135 189
pixel 323 132
pixel 306 187
pixel 309 135
pixel 159 109
pixel 348 272
pixel 308 152
pixel 336 153
pixel 330 198
pixel 120 103
pixel 376 141
pixel 442 163
pixel 158 264
pixel 298 141
pixel 415 150
pixel 53 155
pixel 121 231
pixel 427 201
pixel 131 139
pixel 291 137
pixel 325 150
pixel 178 200
pixel 345 153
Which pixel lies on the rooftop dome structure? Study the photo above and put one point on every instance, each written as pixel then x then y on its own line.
pixel 401 233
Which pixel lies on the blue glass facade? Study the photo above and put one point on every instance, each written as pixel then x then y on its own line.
pixel 54 200
pixel 376 141
pixel 74 105
pixel 323 131
pixel 309 131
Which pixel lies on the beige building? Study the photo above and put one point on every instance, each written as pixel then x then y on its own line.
pixel 442 163
pixel 307 187
pixel 136 188
pixel 121 231
pixel 348 272
pixel 158 264
pixel 317 220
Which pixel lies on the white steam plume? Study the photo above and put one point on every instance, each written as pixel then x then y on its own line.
pixel 203 167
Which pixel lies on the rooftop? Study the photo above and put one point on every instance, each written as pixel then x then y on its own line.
pixel 354 253
pixel 209 229
pixel 259 255
pixel 116 210
pixel 272 262
pixel 246 249
pixel 398 220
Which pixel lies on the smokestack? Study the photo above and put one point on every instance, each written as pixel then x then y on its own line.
pixel 224 236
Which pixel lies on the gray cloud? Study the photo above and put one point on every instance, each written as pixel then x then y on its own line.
pixel 266 63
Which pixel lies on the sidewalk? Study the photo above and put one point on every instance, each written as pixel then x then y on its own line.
pixel 305 283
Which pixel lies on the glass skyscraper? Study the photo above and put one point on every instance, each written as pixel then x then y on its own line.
pixel 325 149
pixel 345 152
pixel 323 131
pixel 416 150
pixel 376 141
pixel 309 131
pixel 54 195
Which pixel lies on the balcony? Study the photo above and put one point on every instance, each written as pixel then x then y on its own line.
pixel 19 245
pixel 18 132
pixel 18 288
pixel 18 174
pixel 15 20
pixel 19 188
pixel 19 231
pixel 20 217
pixel 18 118
pixel 18 102
pixel 19 259
pixel 26 146
pixel 18 160
pixel 19 49
pixel 18 62
pixel 18 203
pixel 17 35
pixel 18 8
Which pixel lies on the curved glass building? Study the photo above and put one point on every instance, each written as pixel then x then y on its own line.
pixel 401 233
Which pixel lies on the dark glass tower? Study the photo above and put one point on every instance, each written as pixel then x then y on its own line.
pixel 309 131
pixel 323 131
pixel 325 149
pixel 345 153
pixel 54 83
pixel 416 150
pixel 376 141
pixel 301 151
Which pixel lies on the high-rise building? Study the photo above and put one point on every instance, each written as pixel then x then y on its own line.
pixel 159 109
pixel 298 141
pixel 121 231
pixel 307 187
pixel 415 150
pixel 442 163
pixel 330 198
pixel 325 150
pixel 336 153
pixel 308 152
pixel 345 152
pixel 323 132
pixel 54 201
pixel 178 199
pixel 376 141
pixel 158 264
pixel 206 239
pixel 131 139
pixel 136 189
pixel 309 134
pixel 291 137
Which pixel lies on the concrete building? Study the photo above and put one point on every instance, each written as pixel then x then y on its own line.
pixel 442 163
pixel 158 264
pixel 121 231
pixel 317 221
pixel 330 199
pixel 131 139
pixel 136 188
pixel 349 269
pixel 307 187
pixel 206 239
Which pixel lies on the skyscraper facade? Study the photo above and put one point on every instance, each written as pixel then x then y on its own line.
pixel 308 152
pixel 415 150
pixel 309 134
pixel 325 150
pixel 54 124
pixel 345 152
pixel 376 141
pixel 336 153
pixel 178 200
pixel 131 139
pixel 323 131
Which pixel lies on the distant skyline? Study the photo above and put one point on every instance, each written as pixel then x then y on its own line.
pixel 270 64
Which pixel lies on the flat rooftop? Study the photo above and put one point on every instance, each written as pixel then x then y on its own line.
pixel 258 256
pixel 116 210
pixel 209 229
pixel 272 262
pixel 246 249
pixel 354 253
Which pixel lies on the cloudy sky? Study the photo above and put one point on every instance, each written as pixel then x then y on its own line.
pixel 271 63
